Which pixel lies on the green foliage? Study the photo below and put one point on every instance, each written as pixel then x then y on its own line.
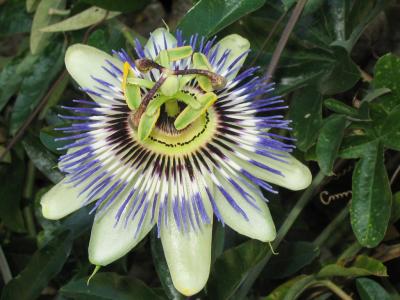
pixel 371 203
pixel 232 267
pixel 13 18
pixel 340 76
pixel 43 266
pixel 39 39
pixel 108 286
pixel 11 195
pixel 81 20
pixel 291 258
pixel 306 114
pixel 43 159
pixel 119 5
pixel 329 141
pixel 34 85
pixel 362 266
pixel 209 16
pixel 369 289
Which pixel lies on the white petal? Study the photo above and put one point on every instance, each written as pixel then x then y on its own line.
pixel 259 225
pixel 237 45
pixel 159 37
pixel 109 242
pixel 84 61
pixel 188 255
pixel 296 176
pixel 61 200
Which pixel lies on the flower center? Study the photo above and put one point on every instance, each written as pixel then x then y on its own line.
pixel 178 98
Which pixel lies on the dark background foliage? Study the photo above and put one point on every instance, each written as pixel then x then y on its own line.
pixel 340 74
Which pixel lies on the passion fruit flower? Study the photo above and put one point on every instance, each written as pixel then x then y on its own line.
pixel 172 138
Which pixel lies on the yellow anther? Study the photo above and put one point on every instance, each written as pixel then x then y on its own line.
pixel 131 92
pixel 125 72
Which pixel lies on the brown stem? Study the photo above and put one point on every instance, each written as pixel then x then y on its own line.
pixel 284 38
pixel 217 80
pixel 146 100
pixel 271 33
pixel 21 131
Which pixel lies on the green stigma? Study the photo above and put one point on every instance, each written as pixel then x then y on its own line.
pixel 170 90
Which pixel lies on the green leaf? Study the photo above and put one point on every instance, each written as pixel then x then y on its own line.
pixel 369 289
pixel 371 203
pixel 108 286
pixel 353 146
pixel 39 40
pixel 395 208
pixel 360 16
pixel 162 268
pixel 12 178
pixel 13 74
pixel 44 265
pixel 329 141
pixel 35 84
pixel 375 93
pixel 232 267
pixel 31 5
pixel 48 138
pixel 43 159
pixel 306 114
pixel 119 5
pixel 291 258
pixel 390 132
pixel 343 73
pixel 81 20
pixel 340 107
pixel 291 289
pixel 13 18
pixel 207 17
pixel 362 266
pixel 387 75
pixel 55 95
pixel 112 36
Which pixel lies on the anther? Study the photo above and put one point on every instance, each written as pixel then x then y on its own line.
pixel 145 65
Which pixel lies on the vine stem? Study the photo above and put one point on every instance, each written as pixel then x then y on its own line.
pixel 4 268
pixel 335 289
pixel 284 39
pixel 271 33
pixel 331 228
pixel 21 131
pixel 28 193
pixel 299 206
pixel 283 230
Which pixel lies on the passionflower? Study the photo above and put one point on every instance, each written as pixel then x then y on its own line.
pixel 172 138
